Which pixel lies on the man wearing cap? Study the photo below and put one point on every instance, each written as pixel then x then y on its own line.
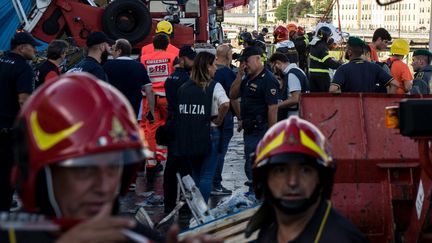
pixel 423 72
pixel 17 82
pixel 137 80
pixel 259 92
pixel 99 46
pixel 359 75
pixel 174 164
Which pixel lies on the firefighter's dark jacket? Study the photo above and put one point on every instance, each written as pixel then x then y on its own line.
pixel 320 59
pixel 194 118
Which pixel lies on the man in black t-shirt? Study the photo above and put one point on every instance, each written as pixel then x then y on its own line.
pixel 293 175
pixel 17 82
pixel 129 76
pixel 98 45
pixel 56 54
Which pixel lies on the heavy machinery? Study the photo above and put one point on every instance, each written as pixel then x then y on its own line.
pixel 134 20
pixel 383 181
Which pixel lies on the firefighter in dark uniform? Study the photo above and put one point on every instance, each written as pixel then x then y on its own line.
pixel 301 42
pixel 423 72
pixel 320 61
pixel 293 174
pixel 259 92
pixel 173 164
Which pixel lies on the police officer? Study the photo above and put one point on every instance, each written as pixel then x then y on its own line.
pixel 423 72
pixel 56 54
pixel 202 105
pixel 17 82
pixel 258 89
pixel 320 61
pixel 359 75
pixel 293 174
pixel 174 164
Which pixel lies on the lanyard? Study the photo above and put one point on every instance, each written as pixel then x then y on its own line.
pixel 323 222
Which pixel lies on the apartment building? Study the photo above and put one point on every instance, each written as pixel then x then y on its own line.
pixel 408 15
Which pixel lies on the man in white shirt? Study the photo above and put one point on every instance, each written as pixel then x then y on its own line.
pixel 294 83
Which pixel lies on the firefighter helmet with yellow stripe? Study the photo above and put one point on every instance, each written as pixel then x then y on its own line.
pixel 293 135
pixel 290 139
pixel 54 128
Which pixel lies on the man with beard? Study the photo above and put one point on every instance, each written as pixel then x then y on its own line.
pixel 98 45
pixel 16 85
pixel 294 83
pixel 359 75
pixel 174 164
pixel 423 72
pixel 293 174
pixel 259 92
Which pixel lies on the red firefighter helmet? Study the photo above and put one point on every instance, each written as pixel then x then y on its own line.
pixel 291 138
pixel 74 120
pixel 292 27
pixel 280 34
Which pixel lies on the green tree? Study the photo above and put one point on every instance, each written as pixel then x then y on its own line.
pixel 295 10
pixel 287 7
pixel 321 6
pixel 301 8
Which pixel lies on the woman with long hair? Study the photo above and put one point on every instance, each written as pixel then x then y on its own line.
pixel 202 105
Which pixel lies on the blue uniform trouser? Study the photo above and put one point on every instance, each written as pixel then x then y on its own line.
pixel 227 135
pixel 251 141
pixel 203 170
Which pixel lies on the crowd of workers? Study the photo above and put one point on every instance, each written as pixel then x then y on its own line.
pixel 73 146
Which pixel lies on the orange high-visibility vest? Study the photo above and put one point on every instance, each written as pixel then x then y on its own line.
pixel 150 49
pixel 159 65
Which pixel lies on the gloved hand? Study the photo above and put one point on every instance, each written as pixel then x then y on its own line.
pixel 150 117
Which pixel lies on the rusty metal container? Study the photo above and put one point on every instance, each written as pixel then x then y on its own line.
pixel 378 170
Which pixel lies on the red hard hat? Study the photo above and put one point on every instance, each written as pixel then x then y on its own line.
pixel 280 34
pixel 293 135
pixel 68 120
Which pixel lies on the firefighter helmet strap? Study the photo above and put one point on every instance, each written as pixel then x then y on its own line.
pixel 293 207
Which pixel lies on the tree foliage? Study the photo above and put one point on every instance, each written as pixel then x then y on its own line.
pixel 293 9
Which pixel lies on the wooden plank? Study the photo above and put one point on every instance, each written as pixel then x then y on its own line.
pixel 223 223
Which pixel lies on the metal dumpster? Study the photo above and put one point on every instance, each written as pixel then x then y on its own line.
pixel 378 170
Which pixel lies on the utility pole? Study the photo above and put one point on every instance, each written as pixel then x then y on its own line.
pixel 256 15
pixel 430 29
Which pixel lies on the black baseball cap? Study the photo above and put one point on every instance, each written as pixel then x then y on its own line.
pixel 98 37
pixel 187 51
pixel 250 51
pixel 24 38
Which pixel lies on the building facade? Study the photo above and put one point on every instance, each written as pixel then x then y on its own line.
pixel 407 15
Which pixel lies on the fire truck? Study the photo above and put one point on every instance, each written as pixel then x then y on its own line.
pixel 134 20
